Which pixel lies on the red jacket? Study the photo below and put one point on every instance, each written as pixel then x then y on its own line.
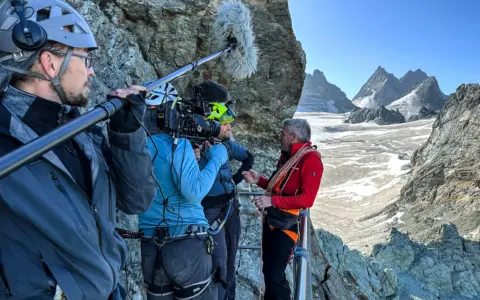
pixel 303 184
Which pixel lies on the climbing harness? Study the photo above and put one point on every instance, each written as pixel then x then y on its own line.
pixel 220 221
pixel 180 292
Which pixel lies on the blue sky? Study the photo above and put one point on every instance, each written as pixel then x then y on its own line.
pixel 349 39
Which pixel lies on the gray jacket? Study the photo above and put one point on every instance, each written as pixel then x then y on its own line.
pixel 48 229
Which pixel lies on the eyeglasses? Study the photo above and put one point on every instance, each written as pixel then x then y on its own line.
pixel 88 58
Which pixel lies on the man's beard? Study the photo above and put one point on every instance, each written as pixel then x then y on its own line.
pixel 226 137
pixel 79 100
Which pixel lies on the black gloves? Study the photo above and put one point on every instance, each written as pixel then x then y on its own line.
pixel 124 121
pixel 247 164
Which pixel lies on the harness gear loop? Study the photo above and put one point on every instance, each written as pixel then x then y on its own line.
pixel 127 234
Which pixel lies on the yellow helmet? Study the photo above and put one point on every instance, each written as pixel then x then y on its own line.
pixel 221 113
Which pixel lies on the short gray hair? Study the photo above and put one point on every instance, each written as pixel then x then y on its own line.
pixel 299 127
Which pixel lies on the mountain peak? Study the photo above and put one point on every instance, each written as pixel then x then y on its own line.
pixel 411 80
pixel 380 89
pixel 320 95
pixel 432 79
pixel 380 69
pixel 318 75
pixel 417 73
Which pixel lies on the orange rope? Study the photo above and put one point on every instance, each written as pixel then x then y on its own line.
pixel 291 163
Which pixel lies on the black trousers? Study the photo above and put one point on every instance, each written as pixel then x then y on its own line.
pixel 277 247
pixel 225 252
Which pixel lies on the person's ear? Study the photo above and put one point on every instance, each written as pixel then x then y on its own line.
pixel 294 138
pixel 48 64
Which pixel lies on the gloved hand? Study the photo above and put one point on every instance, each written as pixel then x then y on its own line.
pixel 218 153
pixel 237 178
pixel 124 121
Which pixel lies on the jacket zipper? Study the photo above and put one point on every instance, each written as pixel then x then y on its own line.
pixel 93 207
pixel 94 211
pixel 60 187
pixel 5 283
pixel 110 195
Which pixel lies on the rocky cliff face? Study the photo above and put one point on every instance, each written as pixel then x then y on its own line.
pixel 381 116
pixel 444 186
pixel 148 39
pixel 447 268
pixel 320 95
pixel 424 113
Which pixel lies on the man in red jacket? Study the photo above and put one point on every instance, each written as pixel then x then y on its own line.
pixel 292 187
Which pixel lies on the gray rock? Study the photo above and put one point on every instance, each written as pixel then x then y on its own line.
pixel 404 269
pixel 424 113
pixel 435 273
pixel 396 256
pixel 381 116
pixel 320 95
pixel 389 282
pixel 444 186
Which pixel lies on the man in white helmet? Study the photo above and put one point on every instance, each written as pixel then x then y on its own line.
pixel 58 212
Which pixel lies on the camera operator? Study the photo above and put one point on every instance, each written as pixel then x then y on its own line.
pixel 176 249
pixel 221 205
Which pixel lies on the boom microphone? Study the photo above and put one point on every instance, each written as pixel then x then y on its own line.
pixel 233 34
pixel 233 21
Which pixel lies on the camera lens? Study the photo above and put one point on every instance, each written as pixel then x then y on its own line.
pixel 207 128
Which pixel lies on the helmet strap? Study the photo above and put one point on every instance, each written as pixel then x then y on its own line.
pixel 31 59
pixel 56 80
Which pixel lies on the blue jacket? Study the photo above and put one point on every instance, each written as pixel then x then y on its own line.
pixel 48 223
pixel 182 183
pixel 225 182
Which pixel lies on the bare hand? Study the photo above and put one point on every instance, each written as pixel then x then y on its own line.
pixel 262 201
pixel 131 90
pixel 197 152
pixel 251 176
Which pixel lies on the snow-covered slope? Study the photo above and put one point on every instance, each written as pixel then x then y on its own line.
pixel 427 94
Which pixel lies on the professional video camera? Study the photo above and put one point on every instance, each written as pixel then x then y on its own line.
pixel 191 118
